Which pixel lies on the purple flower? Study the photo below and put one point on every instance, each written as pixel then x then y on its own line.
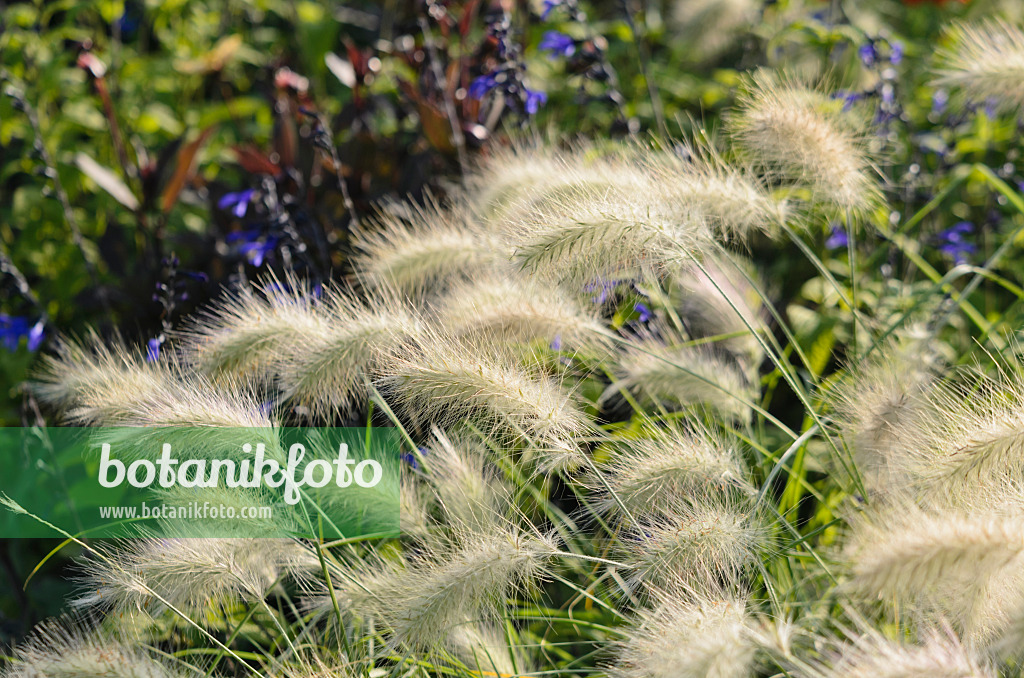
pixel 13 328
pixel 258 251
pixel 410 458
pixel 838 238
pixel 556 343
pixel 549 5
pixel 868 54
pixel 479 88
pixel 939 100
pixel 953 242
pixel 127 24
pixel 645 313
pixel 36 335
pixel 255 245
pixel 602 287
pixel 895 52
pixel 534 100
pixel 849 98
pixel 153 349
pixel 558 44
pixel 239 201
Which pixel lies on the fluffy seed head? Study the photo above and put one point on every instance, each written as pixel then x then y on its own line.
pixel 468 489
pixel 940 655
pixel 670 373
pixel 60 650
pixel 92 383
pixel 651 474
pixel 414 508
pixel 734 202
pixel 326 371
pixel 115 386
pixel 246 334
pixel 882 408
pixel 623 233
pixel 520 180
pixel 719 301
pixel 974 437
pixel 444 381
pixel 428 601
pixel 191 574
pixel 687 636
pixel 520 310
pixel 697 542
pixel 437 248
pixel 484 648
pixel 808 139
pixel 939 560
pixel 985 64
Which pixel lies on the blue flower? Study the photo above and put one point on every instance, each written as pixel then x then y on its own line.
pixel 556 343
pixel 153 349
pixel 953 242
pixel 127 24
pixel 410 458
pixel 559 44
pixel 895 52
pixel 534 100
pixel 255 245
pixel 479 88
pixel 257 251
pixel 849 98
pixel 266 408
pixel 602 287
pixel 838 238
pixel 868 54
pixel 645 313
pixel 239 200
pixel 939 100
pixel 13 328
pixel 549 5
pixel 36 335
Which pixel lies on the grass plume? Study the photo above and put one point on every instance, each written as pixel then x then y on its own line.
pixel 803 136
pixel 986 63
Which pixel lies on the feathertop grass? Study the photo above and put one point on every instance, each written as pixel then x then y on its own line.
pixel 802 136
pixel 985 63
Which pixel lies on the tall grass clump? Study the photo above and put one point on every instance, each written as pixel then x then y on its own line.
pixel 658 412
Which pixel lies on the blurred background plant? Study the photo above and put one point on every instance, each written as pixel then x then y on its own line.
pixel 153 154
